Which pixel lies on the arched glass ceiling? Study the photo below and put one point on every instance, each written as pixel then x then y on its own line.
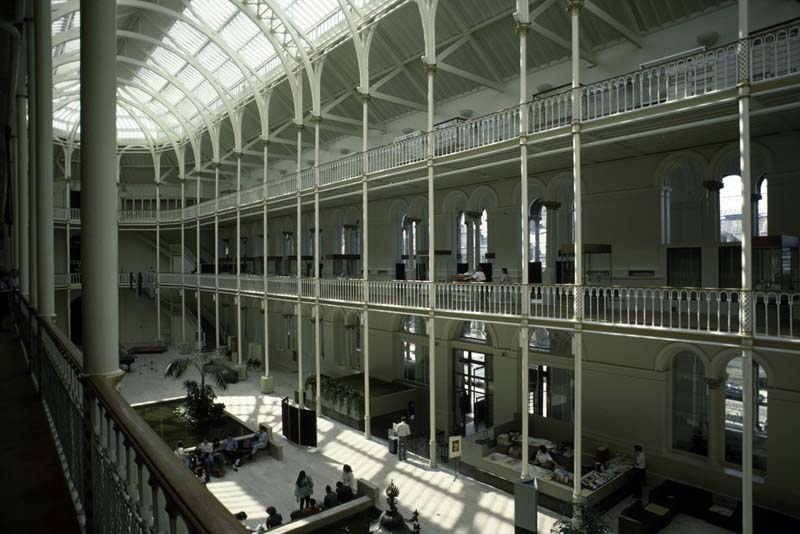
pixel 210 54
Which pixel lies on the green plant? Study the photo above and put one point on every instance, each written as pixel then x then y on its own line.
pixel 586 520
pixel 199 407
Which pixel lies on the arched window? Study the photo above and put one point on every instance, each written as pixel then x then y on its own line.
pixel 483 236
pixel 689 404
pixel 730 209
pixel 415 352
pixel 762 208
pixel 461 237
pixel 537 233
pixel 474 331
pixel 734 395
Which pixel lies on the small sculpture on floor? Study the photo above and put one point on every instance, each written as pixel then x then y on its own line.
pixel 391 520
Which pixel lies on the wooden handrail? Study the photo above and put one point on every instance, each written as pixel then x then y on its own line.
pixel 198 508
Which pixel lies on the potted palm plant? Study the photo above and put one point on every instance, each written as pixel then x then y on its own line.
pixel 199 408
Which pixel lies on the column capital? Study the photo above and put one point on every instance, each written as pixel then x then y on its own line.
pixel 574 6
pixel 265 141
pixel 364 96
pixel 713 185
pixel 551 205
pixel 755 197
pixel 522 28
pixel 316 119
pixel 299 125
pixel 216 164
pixel 238 155
pixel 430 67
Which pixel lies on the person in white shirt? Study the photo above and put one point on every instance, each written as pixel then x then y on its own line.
pixel 348 479
pixel 478 275
pixel 402 431
pixel 639 465
pixel 543 458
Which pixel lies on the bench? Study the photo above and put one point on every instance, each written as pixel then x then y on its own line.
pixel 275 450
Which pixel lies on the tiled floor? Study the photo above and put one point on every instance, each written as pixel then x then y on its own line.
pixel 447 504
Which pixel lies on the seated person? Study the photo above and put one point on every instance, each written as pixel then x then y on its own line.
pixel 331 499
pixel 312 508
pixel 515 451
pixel 475 276
pixel 344 493
pixel 200 470
pixel 180 452
pixel 274 519
pixel 262 440
pixel 543 458
pixel 230 454
pixel 206 450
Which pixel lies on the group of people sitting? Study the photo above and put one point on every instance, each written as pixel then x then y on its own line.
pixel 308 505
pixel 479 276
pixel 209 458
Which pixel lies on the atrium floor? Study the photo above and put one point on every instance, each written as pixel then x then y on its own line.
pixel 447 504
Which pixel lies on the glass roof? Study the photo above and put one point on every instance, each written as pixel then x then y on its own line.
pixel 213 54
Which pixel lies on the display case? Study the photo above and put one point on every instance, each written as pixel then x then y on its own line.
pixel 597 264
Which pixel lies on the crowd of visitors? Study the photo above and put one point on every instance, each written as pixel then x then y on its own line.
pixel 307 504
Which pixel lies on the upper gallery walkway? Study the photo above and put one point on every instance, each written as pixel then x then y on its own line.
pixel 696 89
pixel 774 315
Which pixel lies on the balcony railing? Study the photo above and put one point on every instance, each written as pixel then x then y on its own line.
pixel 341 289
pixel 772 55
pixel 122 475
pixel 494 299
pixel 396 293
pixel 776 314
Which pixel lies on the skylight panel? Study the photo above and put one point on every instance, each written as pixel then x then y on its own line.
pixel 257 51
pixel 213 12
pixel 171 94
pixel 185 107
pixel 151 80
pixel 205 92
pixel 211 57
pixel 228 73
pixel 188 38
pixel 239 31
pixel 166 59
pixel 190 76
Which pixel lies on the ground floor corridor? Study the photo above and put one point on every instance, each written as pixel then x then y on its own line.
pixel 34 493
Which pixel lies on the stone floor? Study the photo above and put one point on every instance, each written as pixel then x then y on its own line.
pixel 447 504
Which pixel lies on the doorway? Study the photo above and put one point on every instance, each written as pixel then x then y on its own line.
pixel 473 395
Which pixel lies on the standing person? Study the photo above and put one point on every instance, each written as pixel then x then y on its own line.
pixel 403 431
pixel 639 466
pixel 303 488
pixel 348 479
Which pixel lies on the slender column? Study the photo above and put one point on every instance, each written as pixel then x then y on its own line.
pixel 183 259
pixel 432 460
pixel 13 262
pixel 32 196
pixel 430 69
pixel 99 195
pixel 22 192
pixel 748 389
pixel 470 222
pixel 198 294
pixel 44 160
pixel 476 240
pixel 238 260
pixel 67 253
pixel 315 252
pixel 522 31
pixel 266 380
pixel 365 260
pixel 216 257
pixel 575 7
pixel 299 254
pixel 158 257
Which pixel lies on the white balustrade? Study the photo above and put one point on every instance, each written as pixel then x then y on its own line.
pixel 60 279
pixel 74 214
pixel 671 81
pixel 342 289
pixel 708 310
pixel 283 186
pixel 226 281
pixel 340 170
pixel 190 213
pixel 551 302
pixel 251 195
pixel 59 214
pixel 399 153
pixel 227 202
pixel 482 131
pixel 307 179
pixel 479 297
pixel 775 54
pixel 776 314
pixel 171 279
pixel 137 216
pixel 207 208
pixel 170 216
pixel 550 112
pixel 282 285
pixel 75 279
pixel 252 283
pixel 399 293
